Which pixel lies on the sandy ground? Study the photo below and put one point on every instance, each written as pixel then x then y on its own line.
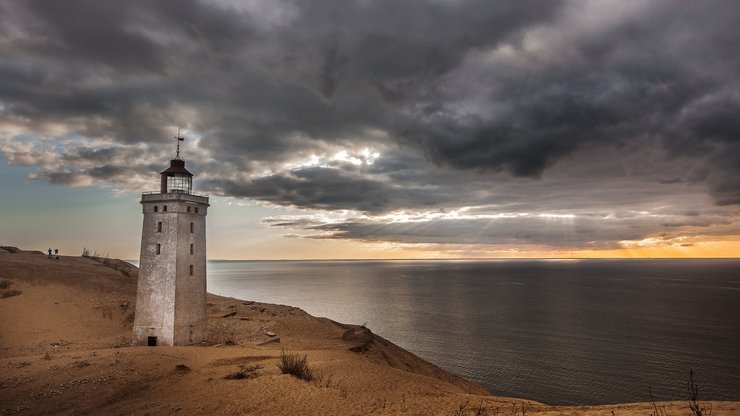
pixel 65 331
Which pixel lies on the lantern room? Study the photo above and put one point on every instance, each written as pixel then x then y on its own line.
pixel 176 178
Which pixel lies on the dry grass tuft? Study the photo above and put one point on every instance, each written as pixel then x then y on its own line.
pixel 245 372
pixel 295 366
pixel 6 291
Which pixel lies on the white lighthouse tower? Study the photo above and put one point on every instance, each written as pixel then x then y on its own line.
pixel 171 294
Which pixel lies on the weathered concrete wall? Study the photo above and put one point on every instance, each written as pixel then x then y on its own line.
pixel 170 302
pixel 190 296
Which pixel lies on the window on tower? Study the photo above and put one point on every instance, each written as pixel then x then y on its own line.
pixel 164 208
pixel 191 248
pixel 156 208
pixel 196 210
pixel 159 248
pixel 192 227
pixel 188 209
pixel 191 269
pixel 159 227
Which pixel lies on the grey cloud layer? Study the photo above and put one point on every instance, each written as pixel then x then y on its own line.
pixel 471 103
pixel 586 231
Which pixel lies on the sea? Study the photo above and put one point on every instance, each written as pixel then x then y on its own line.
pixel 561 332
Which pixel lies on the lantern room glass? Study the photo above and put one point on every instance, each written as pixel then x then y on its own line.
pixel 180 183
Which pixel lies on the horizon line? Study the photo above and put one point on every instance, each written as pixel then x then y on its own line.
pixel 477 259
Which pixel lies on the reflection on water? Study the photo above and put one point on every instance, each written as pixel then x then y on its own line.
pixel 576 332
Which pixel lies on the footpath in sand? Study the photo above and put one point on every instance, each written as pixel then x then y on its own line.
pixel 65 331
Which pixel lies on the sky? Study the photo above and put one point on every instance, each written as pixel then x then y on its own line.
pixel 377 129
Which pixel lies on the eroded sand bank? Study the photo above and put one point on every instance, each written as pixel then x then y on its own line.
pixel 65 330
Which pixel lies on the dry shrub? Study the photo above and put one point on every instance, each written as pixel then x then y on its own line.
pixel 5 291
pixel 10 293
pixel 245 372
pixel 697 409
pixel 295 366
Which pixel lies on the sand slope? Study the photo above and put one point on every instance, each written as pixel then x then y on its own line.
pixel 64 349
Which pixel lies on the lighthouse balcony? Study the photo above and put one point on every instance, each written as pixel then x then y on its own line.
pixel 174 196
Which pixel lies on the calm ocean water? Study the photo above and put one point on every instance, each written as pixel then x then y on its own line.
pixel 559 332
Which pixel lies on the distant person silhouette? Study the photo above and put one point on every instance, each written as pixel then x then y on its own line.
pixel 56 253
pixel 49 253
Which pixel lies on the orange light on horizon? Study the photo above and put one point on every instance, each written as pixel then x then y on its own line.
pixel 703 249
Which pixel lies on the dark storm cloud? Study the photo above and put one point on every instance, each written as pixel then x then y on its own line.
pixel 712 128
pixel 318 188
pixel 106 173
pixel 341 186
pixel 251 84
pixel 511 106
pixel 636 78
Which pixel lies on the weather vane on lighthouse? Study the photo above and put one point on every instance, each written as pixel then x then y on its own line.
pixel 179 139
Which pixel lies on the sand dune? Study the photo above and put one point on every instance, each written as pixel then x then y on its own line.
pixel 65 330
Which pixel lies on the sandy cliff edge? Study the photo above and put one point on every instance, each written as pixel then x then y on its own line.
pixel 65 331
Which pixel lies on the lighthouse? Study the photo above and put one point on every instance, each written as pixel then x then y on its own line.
pixel 171 292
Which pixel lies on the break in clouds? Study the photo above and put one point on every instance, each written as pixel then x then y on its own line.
pixel 575 124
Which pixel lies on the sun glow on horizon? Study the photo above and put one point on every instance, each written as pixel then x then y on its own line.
pixel 368 250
